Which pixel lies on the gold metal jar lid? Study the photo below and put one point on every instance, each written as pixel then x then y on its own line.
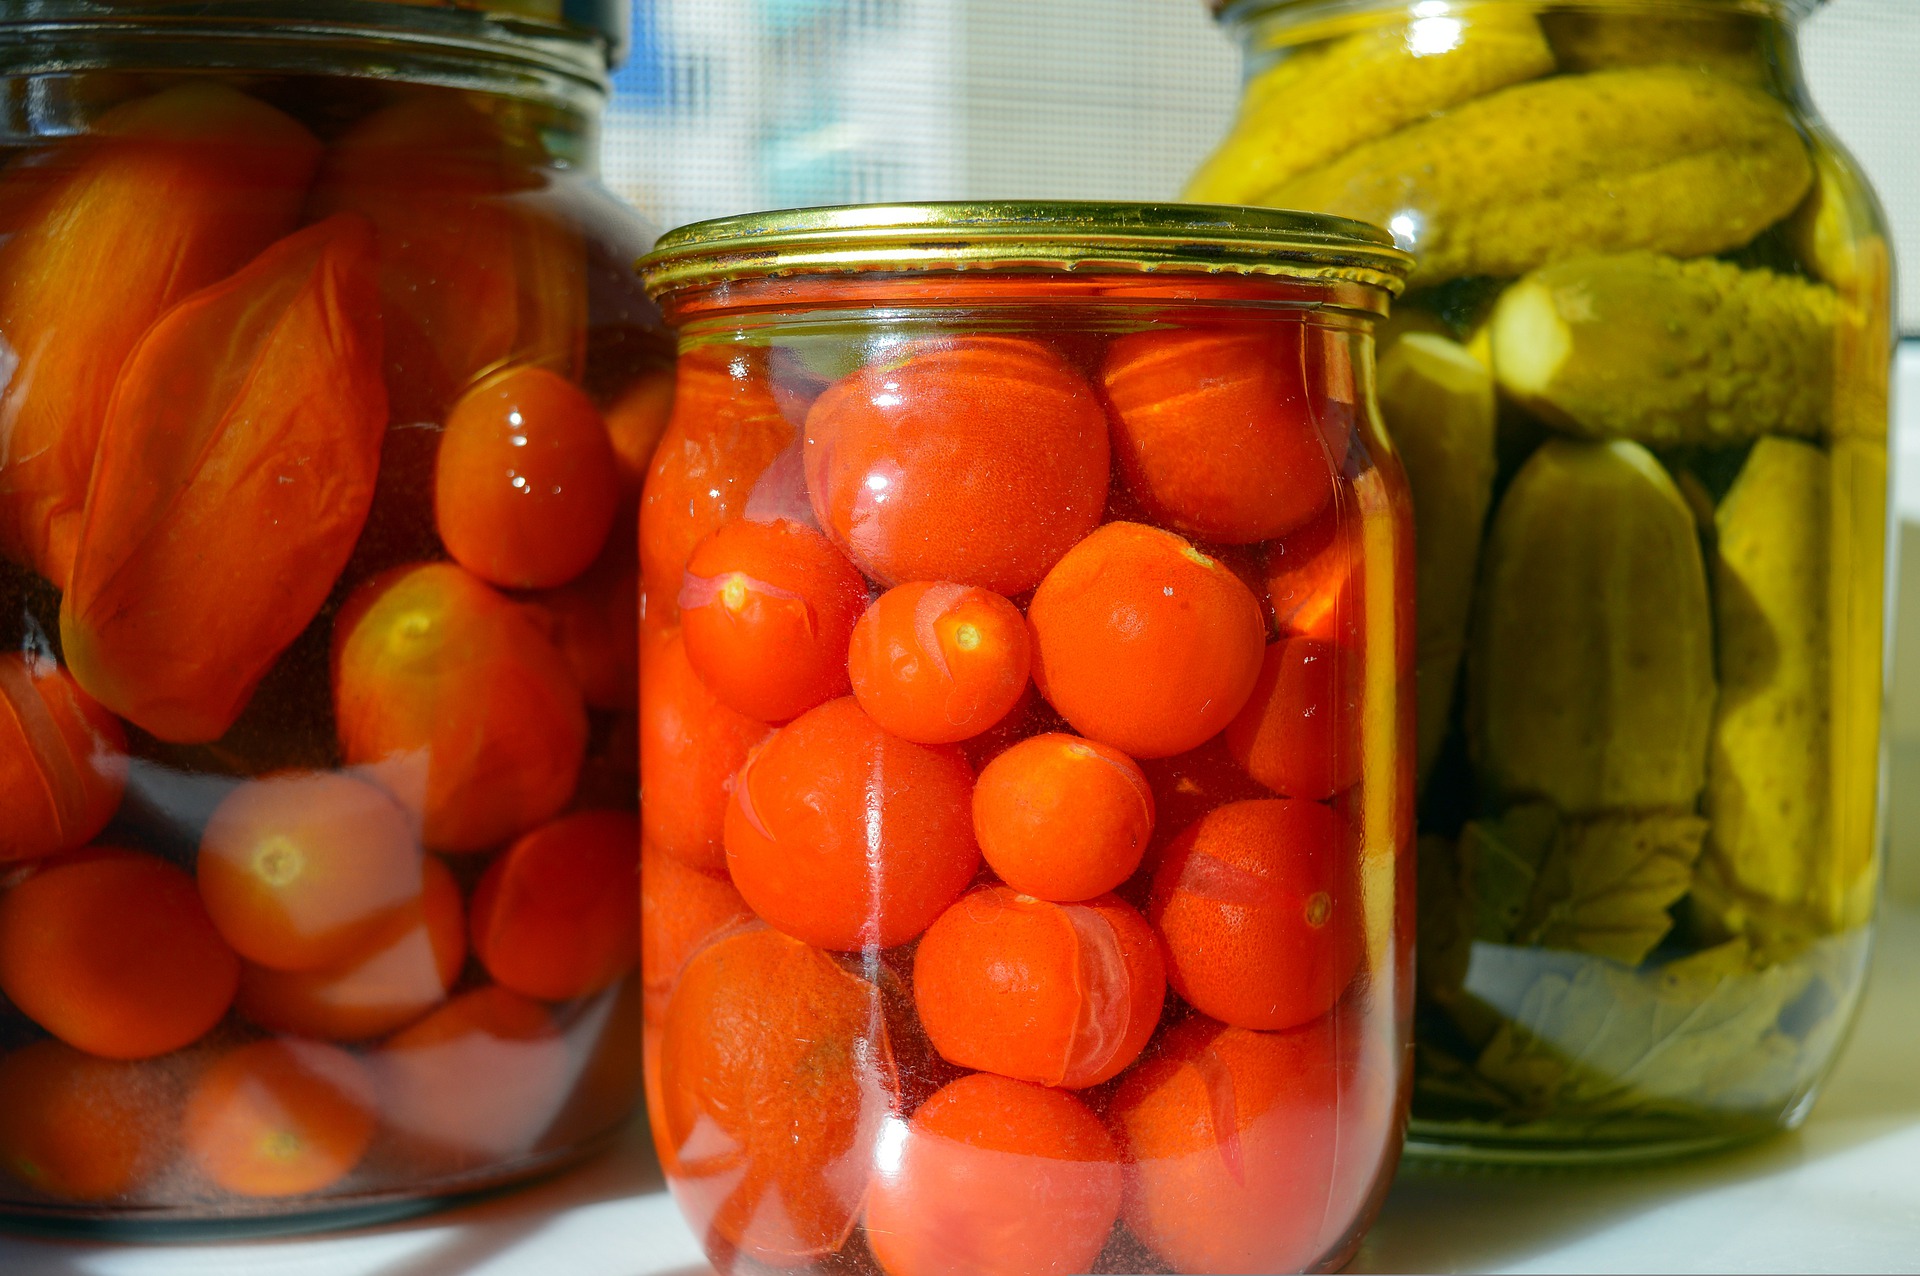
pixel 1250 10
pixel 1039 236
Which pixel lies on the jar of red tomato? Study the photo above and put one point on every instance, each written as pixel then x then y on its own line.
pixel 1026 740
pixel 326 397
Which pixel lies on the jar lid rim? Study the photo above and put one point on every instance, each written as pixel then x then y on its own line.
pixel 1251 10
pixel 601 29
pixel 1082 236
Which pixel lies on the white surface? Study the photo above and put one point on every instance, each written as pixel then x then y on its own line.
pixel 1841 1194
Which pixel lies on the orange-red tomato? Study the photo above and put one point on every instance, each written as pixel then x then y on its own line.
pixel 937 663
pixel 1313 577
pixel 80 1128
pixel 594 622
pixel 1062 818
pixel 1258 903
pixel 725 430
pixel 472 274
pixel 1214 432
pixel 401 981
pixel 1230 1138
pixel 112 952
pixel 1299 733
pixel 235 470
pixel 691 747
pixel 636 421
pixel 172 193
pixel 458 703
pixel 477 1081
pixel 63 760
pixel 306 870
pixel 280 1118
pixel 1143 642
pixel 1057 994
pixel 766 610
pixel 680 909
pixel 996 1177
pixel 775 1073
pixel 847 837
pixel 526 485
pixel 557 915
pixel 981 460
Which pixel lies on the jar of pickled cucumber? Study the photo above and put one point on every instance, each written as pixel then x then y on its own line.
pixel 1026 753
pixel 1639 382
pixel 327 392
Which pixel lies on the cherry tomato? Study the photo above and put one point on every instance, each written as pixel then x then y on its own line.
pixel 1258 904
pixel 83 1129
pixel 1230 1138
pixel 845 836
pixel 594 622
pixel 1057 994
pixel 527 483
pixel 680 909
pixel 996 1177
pixel 691 747
pixel 980 460
pixel 636 420
pixel 726 428
pixel 1299 733
pixel 937 663
pixel 775 1074
pixel 767 610
pixel 63 760
pixel 280 1118
pixel 112 952
pixel 306 870
pixel 402 980
pixel 1143 642
pixel 458 703
pixel 478 1081
pixel 1062 818
pixel 1313 578
pixel 1214 433
pixel 557 915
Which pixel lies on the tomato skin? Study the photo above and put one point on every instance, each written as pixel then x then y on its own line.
pixel 1143 642
pixel 1258 905
pixel 977 1158
pixel 1299 732
pixel 457 703
pixel 636 422
pixel 526 485
pixel 83 1129
pixel 236 466
pixel 557 915
pixel 680 909
pixel 774 1075
pixel 691 750
pixel 806 811
pixel 1231 1139
pixel 280 1118
pixel 173 192
pixel 1214 430
pixel 938 663
pixel 1056 994
pixel 1063 818
pixel 979 460
pixel 766 611
pixel 112 952
pixel 63 760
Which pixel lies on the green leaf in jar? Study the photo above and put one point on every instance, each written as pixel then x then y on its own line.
pixel 1606 884
pixel 1500 862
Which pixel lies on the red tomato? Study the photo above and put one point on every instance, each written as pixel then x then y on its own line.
pixel 557 915
pixel 1062 818
pixel 1299 733
pixel 280 1118
pixel 937 663
pixel 63 760
pixel 691 748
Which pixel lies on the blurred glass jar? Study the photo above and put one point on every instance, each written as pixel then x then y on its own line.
pixel 1640 385
pixel 328 393
pixel 1025 740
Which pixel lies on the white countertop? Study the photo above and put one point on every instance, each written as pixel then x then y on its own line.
pixel 1841 1194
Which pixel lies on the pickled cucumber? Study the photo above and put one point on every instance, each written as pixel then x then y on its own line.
pixel 1724 44
pixel 1768 785
pixel 1661 158
pixel 1438 403
pixel 1319 102
pixel 1590 673
pixel 1667 352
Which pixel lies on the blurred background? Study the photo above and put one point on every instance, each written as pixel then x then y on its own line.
pixel 734 105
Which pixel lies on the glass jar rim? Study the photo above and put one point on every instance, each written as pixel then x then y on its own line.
pixel 1086 237
pixel 1236 12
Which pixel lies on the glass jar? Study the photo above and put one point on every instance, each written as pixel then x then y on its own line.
pixel 1640 384
pixel 1025 740
pixel 328 391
